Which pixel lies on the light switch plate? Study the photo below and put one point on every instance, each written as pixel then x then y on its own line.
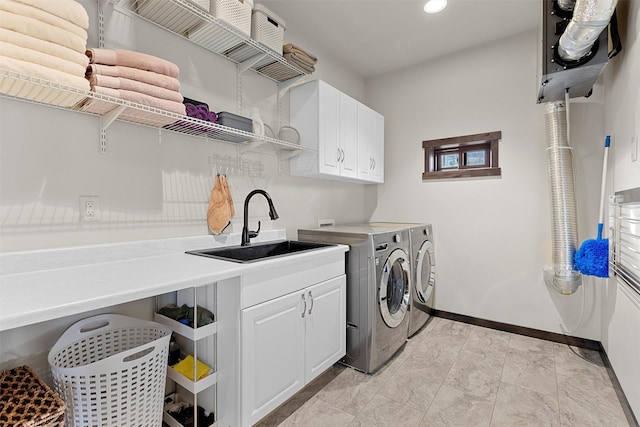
pixel 634 148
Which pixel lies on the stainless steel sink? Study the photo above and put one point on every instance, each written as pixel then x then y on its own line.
pixel 259 251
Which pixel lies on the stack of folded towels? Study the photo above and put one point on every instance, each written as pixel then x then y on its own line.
pixel 135 77
pixel 199 110
pixel 300 58
pixel 46 40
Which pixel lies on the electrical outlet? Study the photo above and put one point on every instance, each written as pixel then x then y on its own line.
pixel 326 223
pixel 634 148
pixel 89 208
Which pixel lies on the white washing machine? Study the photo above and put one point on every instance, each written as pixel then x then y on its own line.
pixel 423 272
pixel 378 290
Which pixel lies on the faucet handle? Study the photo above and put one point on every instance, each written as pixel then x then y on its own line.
pixel 253 234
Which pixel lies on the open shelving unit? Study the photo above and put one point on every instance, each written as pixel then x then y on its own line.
pixel 19 86
pixel 199 341
pixel 195 24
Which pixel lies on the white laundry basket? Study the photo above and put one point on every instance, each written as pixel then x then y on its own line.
pixel 110 370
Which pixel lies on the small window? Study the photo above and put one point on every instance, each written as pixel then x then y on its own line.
pixel 462 157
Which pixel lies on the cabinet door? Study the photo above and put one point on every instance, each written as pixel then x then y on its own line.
pixel 366 133
pixel 326 326
pixel 348 147
pixel 272 354
pixel 328 129
pixel 377 150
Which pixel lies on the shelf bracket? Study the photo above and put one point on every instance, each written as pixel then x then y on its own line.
pixel 284 155
pixel 105 122
pixel 250 146
pixel 248 63
pixel 238 89
pixel 101 5
pixel 284 86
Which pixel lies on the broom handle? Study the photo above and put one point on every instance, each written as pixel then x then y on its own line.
pixel 603 187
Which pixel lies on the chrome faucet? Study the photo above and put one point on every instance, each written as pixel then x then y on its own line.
pixel 246 234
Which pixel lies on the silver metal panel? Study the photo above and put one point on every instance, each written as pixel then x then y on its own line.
pixel 624 245
pixel 419 313
pixel 370 342
pixel 555 77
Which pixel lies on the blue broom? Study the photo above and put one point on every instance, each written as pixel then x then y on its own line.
pixel 592 258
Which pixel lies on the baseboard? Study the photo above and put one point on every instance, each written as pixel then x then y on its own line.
pixel 631 419
pixel 521 330
pixel 554 337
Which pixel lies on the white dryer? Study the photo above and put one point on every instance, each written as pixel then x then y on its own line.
pixel 423 272
pixel 378 290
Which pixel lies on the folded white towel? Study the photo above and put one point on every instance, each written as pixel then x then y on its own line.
pixel 39 93
pixel 46 60
pixel 70 10
pixel 41 30
pixel 43 46
pixel 42 16
pixel 39 71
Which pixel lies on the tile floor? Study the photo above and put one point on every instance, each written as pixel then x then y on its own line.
pixel 453 374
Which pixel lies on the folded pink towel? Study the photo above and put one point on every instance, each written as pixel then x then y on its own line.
pixel 144 76
pixel 132 59
pixel 135 86
pixel 141 98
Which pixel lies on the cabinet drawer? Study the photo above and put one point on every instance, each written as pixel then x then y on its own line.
pixel 273 282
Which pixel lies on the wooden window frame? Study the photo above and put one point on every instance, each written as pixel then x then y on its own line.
pixel 435 148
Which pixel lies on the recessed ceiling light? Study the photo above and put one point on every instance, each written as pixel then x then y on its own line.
pixel 433 6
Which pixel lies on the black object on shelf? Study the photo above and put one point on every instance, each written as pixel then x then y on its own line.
pixel 184 314
pixel 174 351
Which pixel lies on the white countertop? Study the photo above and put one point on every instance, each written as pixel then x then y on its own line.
pixel 33 289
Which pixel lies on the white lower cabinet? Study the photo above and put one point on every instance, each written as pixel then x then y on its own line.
pixel 287 342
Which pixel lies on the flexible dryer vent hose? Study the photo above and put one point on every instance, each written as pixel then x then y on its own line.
pixel 564 228
pixel 590 18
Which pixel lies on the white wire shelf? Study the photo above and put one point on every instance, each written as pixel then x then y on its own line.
pixel 19 86
pixel 187 20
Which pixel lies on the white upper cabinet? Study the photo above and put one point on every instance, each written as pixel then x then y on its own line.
pixel 370 145
pixel 348 147
pixel 329 121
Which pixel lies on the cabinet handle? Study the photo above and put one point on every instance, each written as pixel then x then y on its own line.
pixel 338 155
pixel 374 164
pixel 304 309
pixel 311 302
pixel 370 162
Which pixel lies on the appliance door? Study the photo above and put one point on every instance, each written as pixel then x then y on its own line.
pixel 426 272
pixel 393 291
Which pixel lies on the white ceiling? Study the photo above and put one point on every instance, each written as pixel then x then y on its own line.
pixel 377 36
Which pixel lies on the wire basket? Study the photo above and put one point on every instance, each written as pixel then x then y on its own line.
pixel 234 12
pixel 289 134
pixel 110 370
pixel 267 28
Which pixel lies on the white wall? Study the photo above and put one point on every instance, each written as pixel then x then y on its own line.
pixel 621 309
pixel 492 236
pixel 151 186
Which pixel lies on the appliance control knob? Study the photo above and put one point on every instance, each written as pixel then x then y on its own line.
pixel 397 238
